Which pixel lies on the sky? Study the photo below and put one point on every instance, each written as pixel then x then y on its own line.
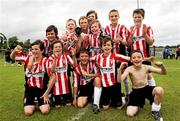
pixel 28 19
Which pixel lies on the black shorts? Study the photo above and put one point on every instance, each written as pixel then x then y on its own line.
pixel 86 90
pixel 33 93
pixel 137 96
pixel 62 99
pixel 112 95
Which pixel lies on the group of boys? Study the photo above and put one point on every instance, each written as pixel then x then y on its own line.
pixel 93 55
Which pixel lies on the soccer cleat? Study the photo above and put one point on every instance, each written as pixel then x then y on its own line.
pixel 157 115
pixel 96 109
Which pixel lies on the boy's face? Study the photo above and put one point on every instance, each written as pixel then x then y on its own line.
pixel 95 29
pixel 57 49
pixel 51 36
pixel 107 47
pixel 83 23
pixel 36 52
pixel 91 17
pixel 113 17
pixel 84 58
pixel 70 26
pixel 138 18
pixel 137 59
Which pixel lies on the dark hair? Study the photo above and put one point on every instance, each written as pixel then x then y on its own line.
pixel 40 43
pixel 136 51
pixel 55 42
pixel 83 50
pixel 70 19
pixel 52 27
pixel 106 38
pixel 96 21
pixel 113 10
pixel 139 11
pixel 82 17
pixel 90 12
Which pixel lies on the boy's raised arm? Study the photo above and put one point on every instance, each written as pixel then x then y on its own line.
pixel 123 75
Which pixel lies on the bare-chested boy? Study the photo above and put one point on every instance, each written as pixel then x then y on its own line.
pixel 138 73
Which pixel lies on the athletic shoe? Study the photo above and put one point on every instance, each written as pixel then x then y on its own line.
pixel 157 115
pixel 96 109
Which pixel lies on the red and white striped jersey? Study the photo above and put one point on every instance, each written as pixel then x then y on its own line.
pixel 78 79
pixel 71 41
pixel 47 47
pixel 36 75
pixel 107 67
pixel 119 31
pixel 61 83
pixel 94 45
pixel 20 56
pixel 139 42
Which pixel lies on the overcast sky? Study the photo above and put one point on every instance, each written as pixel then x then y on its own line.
pixel 28 19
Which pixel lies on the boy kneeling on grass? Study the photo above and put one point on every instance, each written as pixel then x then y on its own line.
pixel 35 71
pixel 138 73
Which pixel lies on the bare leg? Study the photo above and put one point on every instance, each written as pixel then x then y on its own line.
pixel 29 109
pixel 131 111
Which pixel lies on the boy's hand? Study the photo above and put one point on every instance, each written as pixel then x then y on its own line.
pixel 84 73
pixel 45 97
pixel 123 65
pixel 144 30
pixel 18 48
pixel 158 64
pixel 73 51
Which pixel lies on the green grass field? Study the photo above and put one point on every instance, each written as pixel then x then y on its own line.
pixel 11 103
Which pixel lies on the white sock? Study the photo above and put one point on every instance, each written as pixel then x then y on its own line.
pixel 151 82
pixel 97 95
pixel 155 107
pixel 126 84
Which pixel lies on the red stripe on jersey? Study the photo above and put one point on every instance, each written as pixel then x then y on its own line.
pixel 112 75
pixel 41 81
pixel 66 83
pixel 137 31
pixel 144 48
pixel 137 45
pixel 105 75
pixel 59 83
pixel 34 79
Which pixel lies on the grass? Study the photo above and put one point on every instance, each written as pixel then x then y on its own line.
pixel 11 103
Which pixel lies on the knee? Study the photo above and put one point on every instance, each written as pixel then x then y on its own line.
pixel 97 82
pixel 28 112
pixel 45 110
pixel 159 91
pixel 105 107
pixel 80 105
pixel 130 113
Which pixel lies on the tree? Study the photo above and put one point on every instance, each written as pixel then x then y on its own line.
pixel 13 41
pixel 27 44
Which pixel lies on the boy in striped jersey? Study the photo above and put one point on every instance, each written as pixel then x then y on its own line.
pixel 141 37
pixel 51 35
pixel 58 65
pixel 70 39
pixel 83 77
pixel 35 70
pixel 119 34
pixel 111 89
pixel 138 73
